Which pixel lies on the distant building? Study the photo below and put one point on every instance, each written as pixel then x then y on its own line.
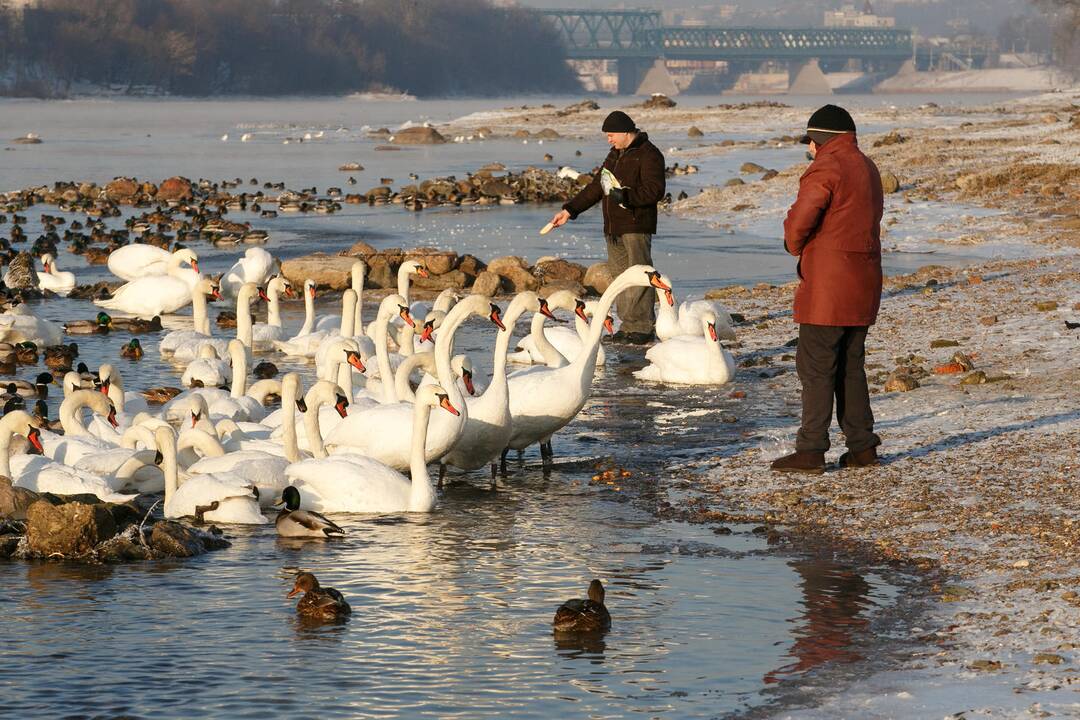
pixel 848 17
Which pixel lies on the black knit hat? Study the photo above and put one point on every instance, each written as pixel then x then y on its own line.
pixel 618 121
pixel 827 122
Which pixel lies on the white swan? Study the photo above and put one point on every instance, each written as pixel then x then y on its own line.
pixel 152 295
pixel 185 344
pixel 208 369
pixel 381 432
pixel 488 426
pixel 61 283
pixel 354 483
pixel 535 349
pixel 219 497
pixel 77 440
pixel 329 323
pixel 264 470
pixel 671 323
pixel 19 324
pixel 690 360
pixel 305 343
pixel 255 266
pixel 263 335
pixel 543 401
pixel 137 260
pixel 421 309
pixel 126 405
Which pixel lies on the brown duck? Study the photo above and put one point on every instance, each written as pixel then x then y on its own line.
pixel 588 615
pixel 318 602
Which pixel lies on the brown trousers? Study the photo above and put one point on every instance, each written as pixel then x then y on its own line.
pixel 635 305
pixel 830 361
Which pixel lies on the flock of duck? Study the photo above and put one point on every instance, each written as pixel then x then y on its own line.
pixel 387 396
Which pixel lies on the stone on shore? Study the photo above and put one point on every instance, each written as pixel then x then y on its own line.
pixel 328 271
pixel 173 539
pixel 177 189
pixel 122 190
pixel 437 262
pixel 694 132
pixel 14 501
pixel 889 182
pixel 452 280
pixel 597 278
pixel 360 249
pixel 418 135
pixel 71 530
pixel 487 283
pixel 751 168
pixel 554 270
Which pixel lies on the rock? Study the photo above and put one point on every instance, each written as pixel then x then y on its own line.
pixel 976 378
pixel 360 249
pixel 502 264
pixel 548 134
pixel 552 270
pixel 988 319
pixel 769 174
pixel 8 545
pixel 27 140
pixel 554 286
pixel 172 539
pixel 751 168
pixel 492 167
pixel 516 279
pixel 71 530
pixel 734 182
pixel 1046 306
pixel 471 266
pixel 1048 659
pixel 893 138
pixel 437 262
pixel 418 135
pixel 985 665
pixel 900 382
pixel 658 101
pixel 1050 119
pixel 351 167
pixel 487 283
pixel 123 548
pixel 583 106
pixel 454 279
pixel 175 189
pixel 328 271
pixel 597 278
pixel 942 343
pixel 694 132
pixel 956 593
pixel 122 190
pixel 889 182
pixel 14 501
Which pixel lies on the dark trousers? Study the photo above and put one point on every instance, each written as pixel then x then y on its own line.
pixel 635 305
pixel 830 364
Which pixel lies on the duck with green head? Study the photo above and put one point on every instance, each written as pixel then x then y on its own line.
pixel 132 350
pixel 26 353
pixel 294 523
pixel 98 326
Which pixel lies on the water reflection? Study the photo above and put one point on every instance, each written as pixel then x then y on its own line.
pixel 835 599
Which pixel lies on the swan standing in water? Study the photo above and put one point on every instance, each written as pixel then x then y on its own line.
pixel 356 483
pixel 61 283
pixel 689 359
pixel 152 295
pixel 545 400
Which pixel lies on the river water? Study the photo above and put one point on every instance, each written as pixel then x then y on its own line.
pixel 452 610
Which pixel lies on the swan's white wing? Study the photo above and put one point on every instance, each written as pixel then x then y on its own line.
pixel 691 312
pixel 40 474
pixel 136 260
pixel 349 483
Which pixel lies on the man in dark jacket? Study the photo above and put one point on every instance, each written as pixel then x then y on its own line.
pixel 629 216
pixel 834 229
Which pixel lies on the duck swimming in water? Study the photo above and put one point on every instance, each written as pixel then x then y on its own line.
pixel 132 350
pixel 318 602
pixel 293 522
pixel 589 615
pixel 98 326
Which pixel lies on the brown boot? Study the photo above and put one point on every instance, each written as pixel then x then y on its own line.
pixel 812 463
pixel 862 458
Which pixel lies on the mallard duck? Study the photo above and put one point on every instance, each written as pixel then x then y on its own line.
pixel 60 357
pixel 11 399
pixel 160 395
pixel 99 325
pixel 97 255
pixel 226 319
pixel 26 353
pixel 584 615
pixel 294 522
pixel 8 364
pixel 37 389
pixel 132 351
pixel 41 417
pixel 265 370
pixel 138 325
pixel 318 602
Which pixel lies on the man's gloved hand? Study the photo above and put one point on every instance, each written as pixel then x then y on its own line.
pixel 619 195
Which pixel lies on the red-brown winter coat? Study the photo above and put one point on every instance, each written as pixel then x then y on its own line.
pixel 835 229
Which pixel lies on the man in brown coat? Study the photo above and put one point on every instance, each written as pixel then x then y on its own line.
pixel 834 229
pixel 629 217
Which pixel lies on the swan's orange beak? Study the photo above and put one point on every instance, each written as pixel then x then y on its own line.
pixel 423 272
pixel 289 293
pixel 104 388
pixel 34 436
pixel 311 292
pixel 215 292
pixel 195 265
pixel 545 310
pixel 466 377
pixel 263 296
pixel 46 266
pixel 429 328
pixel 353 358
pixel 301 405
pixel 195 417
pixel 445 404
pixel 579 310
pixel 712 332
pixel 341 405
pixel 496 318
pixel 403 312
pixel 656 281
pixel 669 297
pixel 609 325
pixel 112 418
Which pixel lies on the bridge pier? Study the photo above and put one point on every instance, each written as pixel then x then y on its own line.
pixel 645 76
pixel 806 78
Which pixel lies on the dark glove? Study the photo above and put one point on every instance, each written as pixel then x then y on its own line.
pixel 619 195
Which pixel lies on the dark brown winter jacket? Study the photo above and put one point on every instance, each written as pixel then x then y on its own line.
pixel 640 169
pixel 834 228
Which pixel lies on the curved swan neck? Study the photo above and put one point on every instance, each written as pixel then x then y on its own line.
pixel 206 444
pixel 585 362
pixel 273 307
pixel 238 354
pixel 552 356
pixel 425 360
pixel 421 493
pixel 136 434
pixel 382 351
pixel 359 272
pixel 262 389
pixel 444 344
pixel 243 313
pixel 320 394
pixel 309 313
pixel 200 319
pixel 76 401
pixel 166 444
pixel 290 388
pixel 502 342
